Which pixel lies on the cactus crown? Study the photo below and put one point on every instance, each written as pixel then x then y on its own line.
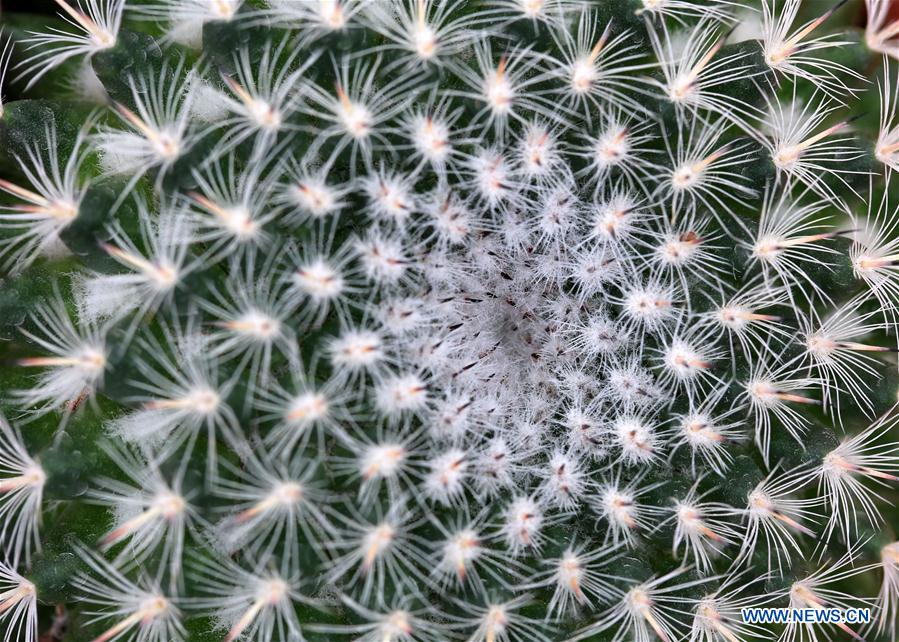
pixel 424 320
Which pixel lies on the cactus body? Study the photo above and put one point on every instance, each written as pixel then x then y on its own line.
pixel 420 320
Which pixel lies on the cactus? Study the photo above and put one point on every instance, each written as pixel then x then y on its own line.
pixel 423 320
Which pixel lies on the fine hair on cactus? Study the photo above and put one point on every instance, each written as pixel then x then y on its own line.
pixel 449 320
